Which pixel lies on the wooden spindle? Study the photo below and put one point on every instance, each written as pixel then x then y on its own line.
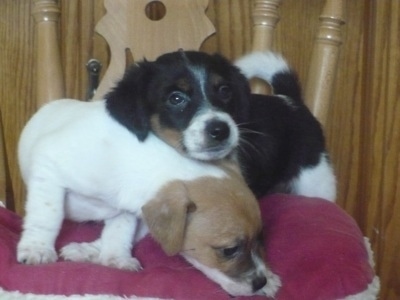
pixel 324 59
pixel 265 18
pixel 50 83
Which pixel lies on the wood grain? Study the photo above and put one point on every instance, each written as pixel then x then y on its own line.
pixel 17 78
pixel 380 141
pixel 363 126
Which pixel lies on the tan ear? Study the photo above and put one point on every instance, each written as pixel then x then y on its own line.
pixel 166 216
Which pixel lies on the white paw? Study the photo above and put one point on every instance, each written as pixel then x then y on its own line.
pixel 35 254
pixel 121 262
pixel 81 252
pixel 91 252
pixel 273 284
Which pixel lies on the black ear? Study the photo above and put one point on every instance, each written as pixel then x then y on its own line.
pixel 241 87
pixel 243 92
pixel 127 103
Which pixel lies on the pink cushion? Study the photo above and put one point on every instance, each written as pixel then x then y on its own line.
pixel 312 244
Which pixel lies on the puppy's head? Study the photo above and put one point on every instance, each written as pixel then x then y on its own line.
pixel 192 100
pixel 215 224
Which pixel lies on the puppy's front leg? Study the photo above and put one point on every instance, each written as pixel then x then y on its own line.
pixel 112 249
pixel 42 223
pixel 117 241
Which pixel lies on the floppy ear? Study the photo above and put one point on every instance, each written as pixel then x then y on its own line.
pixel 242 92
pixel 240 85
pixel 127 103
pixel 166 216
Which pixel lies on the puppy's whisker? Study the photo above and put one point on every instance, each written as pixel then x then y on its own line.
pixel 245 144
pixel 246 130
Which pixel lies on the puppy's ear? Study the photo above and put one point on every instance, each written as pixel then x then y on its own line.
pixel 242 92
pixel 240 104
pixel 127 103
pixel 166 216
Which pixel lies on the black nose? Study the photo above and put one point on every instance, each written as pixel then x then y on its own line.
pixel 218 130
pixel 258 283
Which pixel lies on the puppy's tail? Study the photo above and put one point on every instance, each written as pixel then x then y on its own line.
pixel 273 68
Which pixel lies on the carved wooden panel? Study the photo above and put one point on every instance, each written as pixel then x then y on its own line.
pixel 128 25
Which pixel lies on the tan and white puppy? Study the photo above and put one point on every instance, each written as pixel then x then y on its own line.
pixel 79 163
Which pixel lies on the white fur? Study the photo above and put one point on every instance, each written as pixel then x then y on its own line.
pixel 79 163
pixel 195 140
pixel 236 288
pixel 318 181
pixel 263 65
pixel 201 75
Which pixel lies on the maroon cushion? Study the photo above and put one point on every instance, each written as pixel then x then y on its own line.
pixel 314 246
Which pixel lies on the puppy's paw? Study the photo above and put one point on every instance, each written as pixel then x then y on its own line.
pixel 121 262
pixel 91 252
pixel 34 254
pixel 273 284
pixel 81 252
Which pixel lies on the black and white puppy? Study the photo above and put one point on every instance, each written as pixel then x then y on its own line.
pixel 283 146
pixel 201 105
pixel 191 100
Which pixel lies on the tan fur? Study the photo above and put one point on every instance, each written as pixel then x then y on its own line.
pixel 215 79
pixel 170 136
pixel 222 212
pixel 166 214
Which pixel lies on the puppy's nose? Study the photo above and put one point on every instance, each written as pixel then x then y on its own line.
pixel 218 130
pixel 258 283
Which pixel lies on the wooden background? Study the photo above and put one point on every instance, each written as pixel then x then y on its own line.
pixel 363 130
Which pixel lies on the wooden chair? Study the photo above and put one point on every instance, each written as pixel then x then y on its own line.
pixel 128 39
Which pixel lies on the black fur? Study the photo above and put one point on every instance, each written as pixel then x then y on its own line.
pixel 280 137
pixel 146 86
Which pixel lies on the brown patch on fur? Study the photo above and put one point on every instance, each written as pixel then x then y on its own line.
pixel 226 213
pixel 166 215
pixel 216 79
pixel 170 136
pixel 183 84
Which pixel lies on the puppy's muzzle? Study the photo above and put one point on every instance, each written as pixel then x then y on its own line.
pixel 211 135
pixel 218 131
pixel 258 283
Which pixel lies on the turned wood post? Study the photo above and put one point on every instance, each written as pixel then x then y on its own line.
pixel 265 18
pixel 322 71
pixel 50 83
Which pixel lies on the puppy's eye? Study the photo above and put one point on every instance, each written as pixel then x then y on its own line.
pixel 176 98
pixel 225 93
pixel 230 252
